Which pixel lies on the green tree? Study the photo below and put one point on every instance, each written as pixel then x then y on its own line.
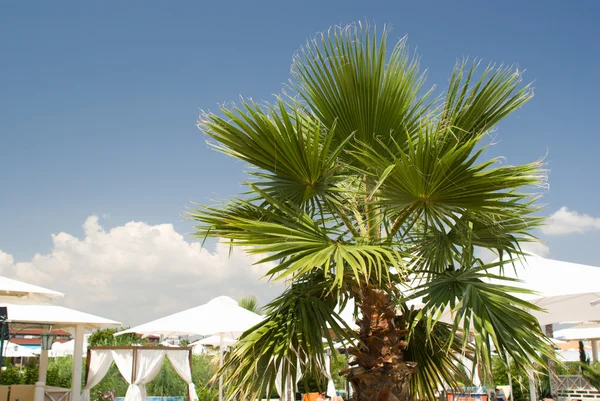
pixel 363 187
pixel 32 372
pixel 10 375
pixel 105 337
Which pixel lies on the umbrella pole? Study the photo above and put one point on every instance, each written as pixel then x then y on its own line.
pixel 220 366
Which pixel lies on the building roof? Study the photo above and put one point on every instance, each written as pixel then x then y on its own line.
pixel 33 341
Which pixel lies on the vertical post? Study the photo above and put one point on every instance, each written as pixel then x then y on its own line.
pixel 77 363
pixel 220 366
pixel 4 332
pixel 39 391
pixel 532 390
pixel 190 360
pixel 551 362
pixel 134 367
pixel 594 350
pixel 88 360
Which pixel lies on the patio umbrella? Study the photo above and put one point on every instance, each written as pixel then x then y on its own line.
pixel 220 316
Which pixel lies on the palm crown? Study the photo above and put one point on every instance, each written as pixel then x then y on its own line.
pixel 365 187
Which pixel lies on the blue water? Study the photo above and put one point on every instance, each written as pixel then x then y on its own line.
pixel 157 398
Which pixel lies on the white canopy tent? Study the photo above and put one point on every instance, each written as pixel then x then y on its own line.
pixel 52 315
pixel 67 348
pixel 12 350
pixel 30 306
pixel 569 292
pixel 215 341
pixel 578 333
pixel 16 288
pixel 221 316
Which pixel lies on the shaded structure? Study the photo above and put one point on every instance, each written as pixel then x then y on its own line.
pixel 138 365
pixel 30 307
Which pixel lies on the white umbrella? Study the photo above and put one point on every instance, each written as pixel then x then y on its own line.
pixel 578 333
pixel 68 347
pixel 215 341
pixel 220 316
pixel 13 350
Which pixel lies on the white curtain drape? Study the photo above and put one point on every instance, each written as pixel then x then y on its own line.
pixel 181 363
pixel 330 384
pixel 282 388
pixel 124 360
pixel 149 363
pixel 100 361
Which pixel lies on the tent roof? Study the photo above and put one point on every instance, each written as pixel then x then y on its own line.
pixel 8 286
pixel 551 278
pixel 219 315
pixel 57 316
pixel 214 341
pixel 568 292
pixel 15 350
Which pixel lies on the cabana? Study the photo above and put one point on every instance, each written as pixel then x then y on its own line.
pixel 220 316
pixel 138 365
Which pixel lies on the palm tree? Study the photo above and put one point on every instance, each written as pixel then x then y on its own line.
pixel 250 303
pixel 364 187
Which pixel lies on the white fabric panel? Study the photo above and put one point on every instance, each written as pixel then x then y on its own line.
pixel 100 361
pixel 330 384
pixel 279 381
pixel 180 361
pixel 149 363
pixel 124 360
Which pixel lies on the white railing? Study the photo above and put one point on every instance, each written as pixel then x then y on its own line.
pixel 573 387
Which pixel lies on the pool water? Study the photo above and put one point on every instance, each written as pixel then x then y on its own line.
pixel 157 398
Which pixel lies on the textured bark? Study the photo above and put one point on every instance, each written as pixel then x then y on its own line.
pixel 379 372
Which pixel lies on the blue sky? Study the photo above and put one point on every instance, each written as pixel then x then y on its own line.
pixel 99 101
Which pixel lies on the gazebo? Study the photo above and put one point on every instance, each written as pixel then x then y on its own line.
pixel 138 365
pixel 30 306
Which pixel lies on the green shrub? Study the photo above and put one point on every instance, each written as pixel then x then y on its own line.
pixel 31 373
pixel 60 372
pixel 10 375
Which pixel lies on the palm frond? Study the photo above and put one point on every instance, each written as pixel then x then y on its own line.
pixel 437 353
pixel 440 183
pixel 293 152
pixel 297 242
pixel 347 79
pixel 471 109
pixel 291 335
pixel 497 319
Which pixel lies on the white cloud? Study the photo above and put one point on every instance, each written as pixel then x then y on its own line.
pixel 138 272
pixel 565 221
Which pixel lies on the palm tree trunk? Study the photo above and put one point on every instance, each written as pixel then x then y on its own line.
pixel 379 372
